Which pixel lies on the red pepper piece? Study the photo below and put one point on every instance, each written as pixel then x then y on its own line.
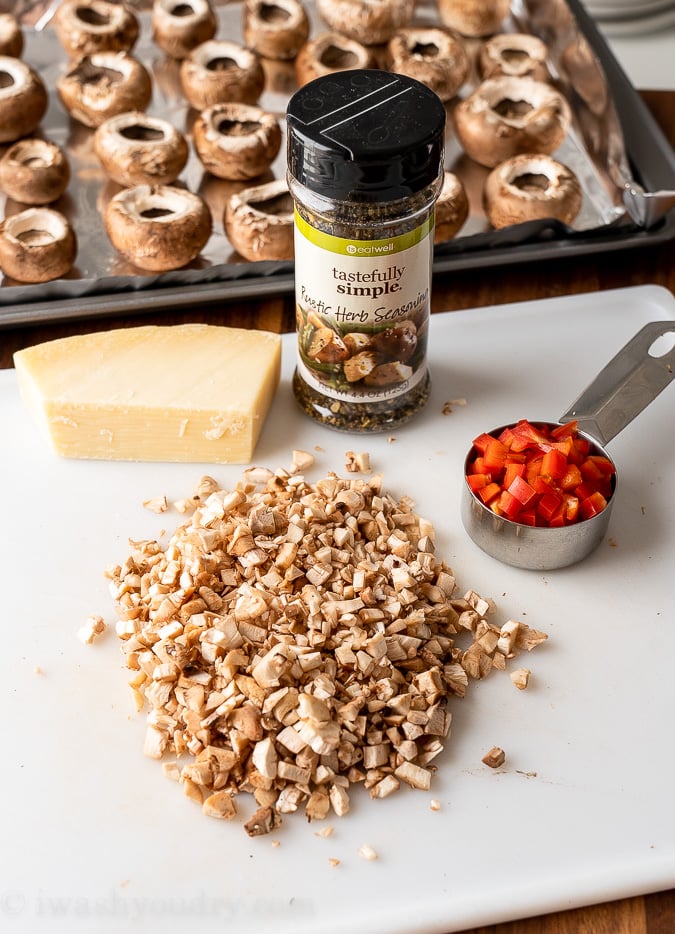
pixel 512 471
pixel 489 492
pixel 572 478
pixel 592 505
pixel 494 456
pixel 477 481
pixel 482 441
pixel 509 506
pixel 549 505
pixel 554 464
pixel 522 491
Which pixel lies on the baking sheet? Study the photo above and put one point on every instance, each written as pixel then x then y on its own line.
pixel 103 283
pixel 97 839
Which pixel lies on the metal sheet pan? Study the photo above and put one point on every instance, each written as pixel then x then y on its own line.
pixel 617 149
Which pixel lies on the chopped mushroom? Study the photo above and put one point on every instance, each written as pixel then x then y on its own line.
pixel 494 757
pixel 292 639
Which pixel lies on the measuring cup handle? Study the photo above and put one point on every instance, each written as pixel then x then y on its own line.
pixel 626 386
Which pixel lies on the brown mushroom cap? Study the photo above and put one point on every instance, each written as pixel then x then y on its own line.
pixel 434 56
pixel 158 228
pixel 34 171
pixel 102 85
pixel 507 116
pixel 531 187
pixel 275 29
pixel 11 36
pixel 330 52
pixel 452 208
pixel 236 141
pixel 23 99
pixel 179 26
pixel 218 71
pixel 259 222
pixel 135 149
pixel 84 27
pixel 516 55
pixel 370 22
pixel 474 18
pixel 37 245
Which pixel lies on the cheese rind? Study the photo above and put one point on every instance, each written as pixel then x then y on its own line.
pixel 182 393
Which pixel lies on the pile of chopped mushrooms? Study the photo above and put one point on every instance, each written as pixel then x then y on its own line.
pixel 292 639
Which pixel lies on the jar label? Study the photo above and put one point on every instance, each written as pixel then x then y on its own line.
pixel 362 310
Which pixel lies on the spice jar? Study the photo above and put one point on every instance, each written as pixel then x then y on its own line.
pixel 365 166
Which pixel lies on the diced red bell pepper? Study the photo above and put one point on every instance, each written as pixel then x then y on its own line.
pixel 592 505
pixel 477 481
pixel 511 471
pixel 522 491
pixel 538 474
pixel 554 464
pixel 548 505
pixel 489 492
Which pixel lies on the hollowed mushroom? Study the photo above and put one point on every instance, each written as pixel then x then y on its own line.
pixel 102 85
pixel 328 53
pixel 452 208
pixel 23 99
pixel 474 18
pixel 236 141
pixel 371 22
pixel 275 29
pixel 259 222
pixel 11 36
pixel 514 55
pixel 34 171
pixel 179 26
pixel 434 56
pixel 218 71
pixel 158 228
pixel 37 245
pixel 136 149
pixel 504 117
pixel 531 187
pixel 84 27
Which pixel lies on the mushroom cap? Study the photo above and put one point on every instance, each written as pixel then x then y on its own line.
pixel 259 222
pixel 437 57
pixel 84 27
pixel 23 99
pixel 516 55
pixel 330 52
pixel 37 245
pixel 158 228
pixel 475 18
pixel 236 141
pixel 531 187
pixel 219 70
pixel 370 22
pixel 11 36
pixel 504 117
pixel 104 84
pixel 452 208
pixel 34 171
pixel 179 26
pixel 275 29
pixel 135 148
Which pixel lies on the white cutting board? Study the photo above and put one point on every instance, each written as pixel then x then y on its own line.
pixel 95 838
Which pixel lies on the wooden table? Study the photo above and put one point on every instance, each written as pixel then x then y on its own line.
pixel 655 264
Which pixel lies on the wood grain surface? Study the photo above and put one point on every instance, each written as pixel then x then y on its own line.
pixel 653 264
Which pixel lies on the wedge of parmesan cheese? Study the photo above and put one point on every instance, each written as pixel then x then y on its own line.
pixel 189 393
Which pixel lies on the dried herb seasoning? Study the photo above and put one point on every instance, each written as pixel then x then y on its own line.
pixel 365 167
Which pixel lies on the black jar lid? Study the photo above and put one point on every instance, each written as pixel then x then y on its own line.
pixel 365 135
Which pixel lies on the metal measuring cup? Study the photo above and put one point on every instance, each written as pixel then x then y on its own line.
pixel 622 389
